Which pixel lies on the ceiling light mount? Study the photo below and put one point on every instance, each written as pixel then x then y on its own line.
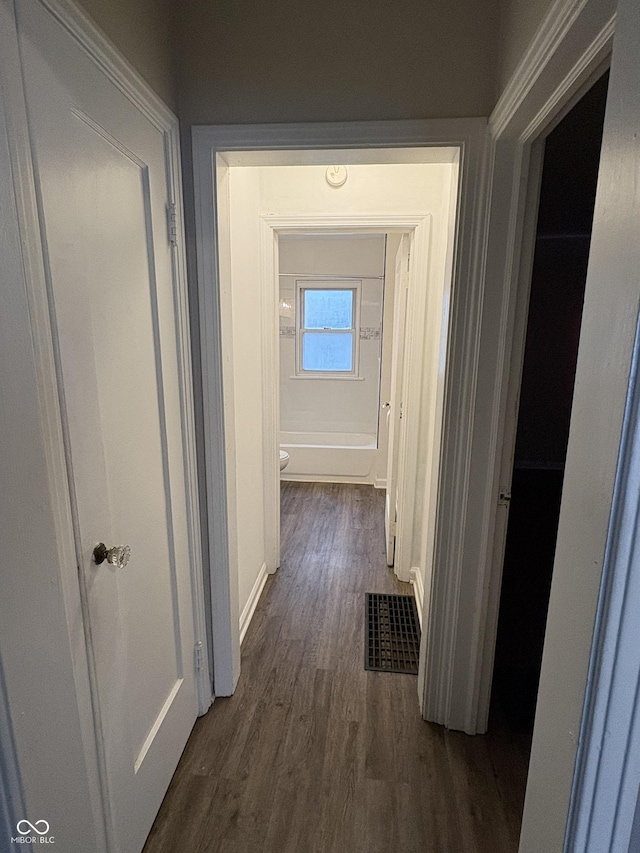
pixel 336 175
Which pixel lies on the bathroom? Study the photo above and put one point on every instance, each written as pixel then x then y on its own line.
pixel 335 326
pixel 283 224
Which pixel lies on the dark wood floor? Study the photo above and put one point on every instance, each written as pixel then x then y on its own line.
pixel 313 754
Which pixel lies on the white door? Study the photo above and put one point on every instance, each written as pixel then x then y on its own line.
pixel 394 413
pixel 101 177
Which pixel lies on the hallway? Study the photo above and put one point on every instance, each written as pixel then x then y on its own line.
pixel 313 753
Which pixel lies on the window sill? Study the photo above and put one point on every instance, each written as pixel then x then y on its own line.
pixel 347 378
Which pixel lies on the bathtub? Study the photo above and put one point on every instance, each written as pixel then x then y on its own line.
pixel 330 457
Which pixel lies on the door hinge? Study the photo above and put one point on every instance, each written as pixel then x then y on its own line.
pixel 199 655
pixel 400 412
pixel 172 223
pixel 504 498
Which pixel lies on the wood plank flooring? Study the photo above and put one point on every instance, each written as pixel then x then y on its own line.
pixel 314 754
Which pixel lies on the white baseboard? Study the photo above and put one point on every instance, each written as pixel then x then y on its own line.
pixel 250 607
pixel 418 590
pixel 380 483
pixel 326 478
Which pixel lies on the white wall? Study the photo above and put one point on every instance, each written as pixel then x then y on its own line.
pixel 245 305
pixel 339 405
pixel 280 190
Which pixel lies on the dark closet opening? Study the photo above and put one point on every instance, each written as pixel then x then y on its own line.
pixel 565 214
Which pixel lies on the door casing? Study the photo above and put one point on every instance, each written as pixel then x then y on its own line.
pixel 418 227
pixel 446 671
pixel 570 51
pixel 526 113
pixel 393 484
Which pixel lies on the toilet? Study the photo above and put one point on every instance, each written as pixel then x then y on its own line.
pixel 284 459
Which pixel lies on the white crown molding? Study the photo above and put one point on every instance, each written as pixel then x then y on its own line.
pixel 567 27
pixel 552 32
pixel 599 47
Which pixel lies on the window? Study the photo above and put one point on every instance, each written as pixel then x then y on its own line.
pixel 327 329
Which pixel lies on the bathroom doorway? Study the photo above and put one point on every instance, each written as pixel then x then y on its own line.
pixel 260 198
pixel 295 244
pixel 342 315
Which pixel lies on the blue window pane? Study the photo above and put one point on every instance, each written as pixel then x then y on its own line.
pixel 328 309
pixel 327 352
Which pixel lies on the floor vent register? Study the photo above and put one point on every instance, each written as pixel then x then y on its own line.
pixel 392 641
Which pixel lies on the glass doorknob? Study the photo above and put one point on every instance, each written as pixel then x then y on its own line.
pixel 117 556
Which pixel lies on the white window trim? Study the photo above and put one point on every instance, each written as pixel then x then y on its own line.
pixel 316 284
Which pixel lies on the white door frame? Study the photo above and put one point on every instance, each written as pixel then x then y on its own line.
pixel 61 560
pixel 569 52
pixel 418 227
pixel 395 435
pixel 447 676
pixel 566 56
pixel 582 792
